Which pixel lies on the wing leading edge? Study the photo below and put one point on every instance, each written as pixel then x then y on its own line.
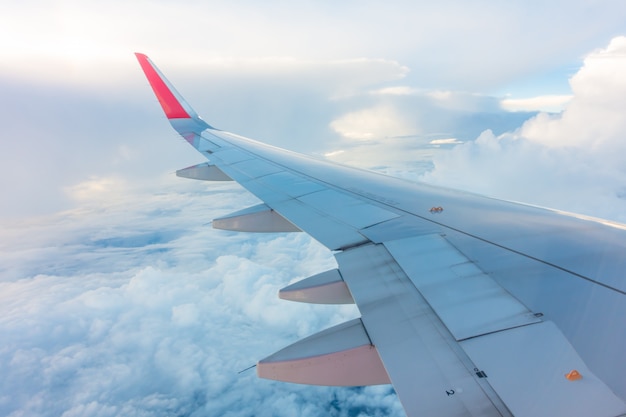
pixel 459 308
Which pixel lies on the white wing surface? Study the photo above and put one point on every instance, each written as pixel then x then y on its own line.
pixel 469 306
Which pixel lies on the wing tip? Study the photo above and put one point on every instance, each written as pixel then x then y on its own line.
pixel 172 103
pixel 141 57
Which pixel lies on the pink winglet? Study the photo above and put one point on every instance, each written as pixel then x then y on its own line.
pixel 171 106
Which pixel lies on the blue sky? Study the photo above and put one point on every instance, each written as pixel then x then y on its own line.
pixel 118 298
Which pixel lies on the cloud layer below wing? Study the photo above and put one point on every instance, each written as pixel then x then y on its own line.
pixel 134 307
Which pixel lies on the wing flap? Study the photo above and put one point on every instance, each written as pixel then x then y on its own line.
pixel 431 374
pixel 468 301
pixel 327 287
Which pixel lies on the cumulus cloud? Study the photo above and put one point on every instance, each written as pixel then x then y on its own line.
pixel 398 129
pixel 135 307
pixel 571 160
pixel 372 123
pixel 594 117
pixel 405 111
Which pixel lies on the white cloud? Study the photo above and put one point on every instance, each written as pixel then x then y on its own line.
pixel 400 90
pixel 447 141
pixel 572 160
pixel 397 130
pixel 98 189
pixel 134 307
pixel 594 117
pixel 402 111
pixel 373 123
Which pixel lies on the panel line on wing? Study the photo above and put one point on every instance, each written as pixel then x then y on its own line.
pixel 467 300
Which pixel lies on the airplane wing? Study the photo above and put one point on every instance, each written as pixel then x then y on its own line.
pixel 470 306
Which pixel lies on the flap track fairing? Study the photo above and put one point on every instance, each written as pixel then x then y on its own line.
pixel 204 172
pixel 340 356
pixel 259 219
pixel 325 288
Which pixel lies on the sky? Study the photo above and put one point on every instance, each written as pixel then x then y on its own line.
pixel 116 295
